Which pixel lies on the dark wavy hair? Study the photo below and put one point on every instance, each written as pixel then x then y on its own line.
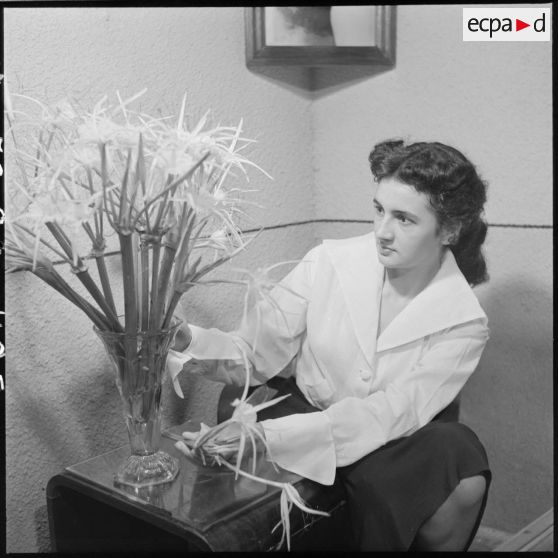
pixel 456 192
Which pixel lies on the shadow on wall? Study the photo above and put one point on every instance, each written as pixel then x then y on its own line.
pixel 331 80
pixel 39 412
pixel 70 417
pixel 42 530
pixel 296 78
pixel 308 81
pixel 519 351
pixel 508 402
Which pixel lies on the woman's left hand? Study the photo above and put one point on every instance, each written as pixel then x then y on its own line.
pixel 228 436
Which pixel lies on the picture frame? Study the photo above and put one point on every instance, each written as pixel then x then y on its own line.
pixel 312 36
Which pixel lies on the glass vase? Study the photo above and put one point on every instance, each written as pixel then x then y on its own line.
pixel 139 361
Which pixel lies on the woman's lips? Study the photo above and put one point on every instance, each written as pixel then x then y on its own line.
pixel 385 250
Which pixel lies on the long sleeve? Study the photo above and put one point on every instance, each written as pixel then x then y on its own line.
pixel 269 336
pixel 314 444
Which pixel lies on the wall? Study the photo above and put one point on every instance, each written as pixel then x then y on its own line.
pixel 62 405
pixel 492 101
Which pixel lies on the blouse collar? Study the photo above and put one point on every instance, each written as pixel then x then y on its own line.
pixel 446 301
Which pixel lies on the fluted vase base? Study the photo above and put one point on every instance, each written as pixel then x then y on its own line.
pixel 139 471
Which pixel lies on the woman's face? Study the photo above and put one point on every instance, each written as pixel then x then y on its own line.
pixel 406 227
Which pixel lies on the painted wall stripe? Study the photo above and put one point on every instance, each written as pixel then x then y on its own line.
pixel 363 221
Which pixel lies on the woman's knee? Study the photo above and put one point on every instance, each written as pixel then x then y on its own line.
pixel 466 496
pixel 470 491
pixel 446 435
pixel 451 525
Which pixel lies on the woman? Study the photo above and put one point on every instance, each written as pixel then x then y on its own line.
pixel 380 333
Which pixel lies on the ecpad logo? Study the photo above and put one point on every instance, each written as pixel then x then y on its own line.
pixel 506 24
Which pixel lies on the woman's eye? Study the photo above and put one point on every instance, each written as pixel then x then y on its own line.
pixel 403 219
pixel 378 209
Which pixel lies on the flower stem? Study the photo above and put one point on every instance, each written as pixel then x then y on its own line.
pixel 130 310
pixel 129 283
pixel 91 286
pixel 144 252
pixel 154 282
pixel 83 275
pixel 52 278
pixel 98 251
pixel 169 252
pixel 48 245
pixel 105 283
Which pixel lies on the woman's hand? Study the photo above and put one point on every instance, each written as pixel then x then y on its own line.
pixel 182 338
pixel 200 367
pixel 182 341
pixel 224 443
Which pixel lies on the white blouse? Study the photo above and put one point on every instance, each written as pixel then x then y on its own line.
pixel 370 389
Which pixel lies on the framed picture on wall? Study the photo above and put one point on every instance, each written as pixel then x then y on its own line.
pixel 320 35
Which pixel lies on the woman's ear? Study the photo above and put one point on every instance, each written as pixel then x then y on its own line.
pixel 450 235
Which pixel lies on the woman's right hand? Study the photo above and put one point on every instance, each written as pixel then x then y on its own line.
pixel 199 367
pixel 182 341
pixel 182 338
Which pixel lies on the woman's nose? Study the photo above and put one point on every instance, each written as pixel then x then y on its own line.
pixel 382 227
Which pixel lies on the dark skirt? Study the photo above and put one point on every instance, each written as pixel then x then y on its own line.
pixel 392 491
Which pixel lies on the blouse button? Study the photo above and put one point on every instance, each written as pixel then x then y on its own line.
pixel 365 375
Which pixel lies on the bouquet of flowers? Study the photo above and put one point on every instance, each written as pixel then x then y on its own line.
pixel 164 188
pixel 160 186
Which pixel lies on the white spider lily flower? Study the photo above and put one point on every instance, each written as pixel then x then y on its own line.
pixel 103 130
pixel 97 130
pixel 223 241
pixel 174 159
pixel 205 203
pixel 220 240
pixel 20 256
pixel 60 114
pixel 259 288
pixel 48 207
pixel 244 412
pixel 87 156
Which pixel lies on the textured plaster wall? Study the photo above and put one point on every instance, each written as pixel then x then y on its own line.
pixel 492 101
pixel 62 404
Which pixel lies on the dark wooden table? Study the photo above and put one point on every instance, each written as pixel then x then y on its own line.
pixel 203 509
